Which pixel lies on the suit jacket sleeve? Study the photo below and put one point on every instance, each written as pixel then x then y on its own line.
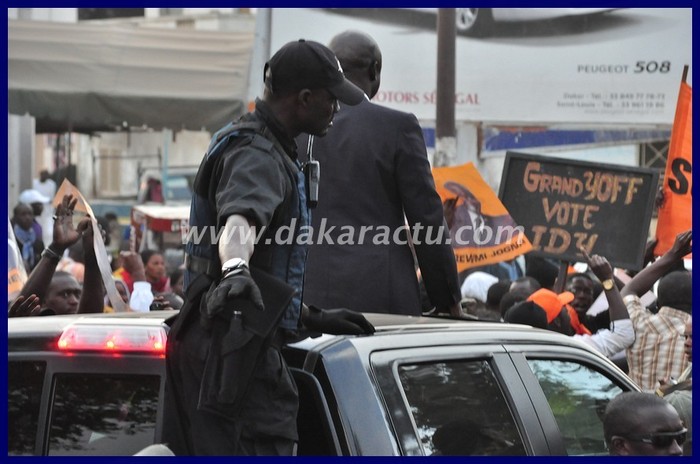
pixel 423 207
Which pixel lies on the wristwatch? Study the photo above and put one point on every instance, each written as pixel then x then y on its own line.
pixel 608 284
pixel 233 264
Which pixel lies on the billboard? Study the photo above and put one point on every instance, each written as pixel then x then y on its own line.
pixel 617 67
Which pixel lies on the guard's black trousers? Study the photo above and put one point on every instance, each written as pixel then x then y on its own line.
pixel 266 424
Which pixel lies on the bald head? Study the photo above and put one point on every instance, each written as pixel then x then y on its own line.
pixel 637 414
pixel 361 59
pixel 355 50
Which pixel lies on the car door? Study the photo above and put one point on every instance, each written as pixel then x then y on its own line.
pixel 458 400
pixel 83 404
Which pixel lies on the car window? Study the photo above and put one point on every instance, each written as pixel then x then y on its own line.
pixel 25 381
pixel 179 188
pixel 459 409
pixel 577 395
pixel 103 414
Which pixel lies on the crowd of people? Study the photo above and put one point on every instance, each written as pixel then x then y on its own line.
pixel 252 179
pixel 652 342
pixel 64 277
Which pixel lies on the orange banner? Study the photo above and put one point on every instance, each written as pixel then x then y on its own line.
pixel 481 229
pixel 675 215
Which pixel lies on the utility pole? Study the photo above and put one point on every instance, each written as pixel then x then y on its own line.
pixel 259 56
pixel 445 140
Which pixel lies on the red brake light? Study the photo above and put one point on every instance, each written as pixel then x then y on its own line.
pixel 113 339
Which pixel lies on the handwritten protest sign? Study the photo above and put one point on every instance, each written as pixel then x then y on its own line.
pixel 83 207
pixel 566 204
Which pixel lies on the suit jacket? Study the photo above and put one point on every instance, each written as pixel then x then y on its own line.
pixel 374 168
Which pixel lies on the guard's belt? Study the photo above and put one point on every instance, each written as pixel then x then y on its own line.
pixel 203 266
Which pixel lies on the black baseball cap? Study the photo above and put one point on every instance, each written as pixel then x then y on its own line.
pixel 305 64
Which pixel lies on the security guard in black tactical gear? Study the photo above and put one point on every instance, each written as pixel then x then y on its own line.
pixel 228 389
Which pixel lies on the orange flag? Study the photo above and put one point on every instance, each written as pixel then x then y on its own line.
pixel 481 230
pixel 675 216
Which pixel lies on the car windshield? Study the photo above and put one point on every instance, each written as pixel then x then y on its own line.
pixel 179 189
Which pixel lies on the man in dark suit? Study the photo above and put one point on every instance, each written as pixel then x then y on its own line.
pixel 376 175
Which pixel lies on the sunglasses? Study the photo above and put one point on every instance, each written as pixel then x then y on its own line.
pixel 660 440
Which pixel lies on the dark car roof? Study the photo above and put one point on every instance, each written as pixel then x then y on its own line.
pixel 445 331
pixel 383 323
pixel 389 327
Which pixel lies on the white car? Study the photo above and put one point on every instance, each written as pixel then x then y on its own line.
pixel 478 22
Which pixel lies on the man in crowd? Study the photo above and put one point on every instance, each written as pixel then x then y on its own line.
pixel 657 352
pixel 610 341
pixel 679 392
pixel 642 424
pixel 42 210
pixel 46 186
pixel 27 236
pixel 48 292
pixel 585 291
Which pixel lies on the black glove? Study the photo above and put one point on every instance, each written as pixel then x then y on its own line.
pixel 238 284
pixel 339 321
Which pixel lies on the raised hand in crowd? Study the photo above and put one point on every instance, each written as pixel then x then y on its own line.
pixel 683 245
pixel 649 251
pixel 91 300
pixel 133 264
pixel 64 235
pixel 601 268
pixel 25 306
pixel 645 279
pixel 33 295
